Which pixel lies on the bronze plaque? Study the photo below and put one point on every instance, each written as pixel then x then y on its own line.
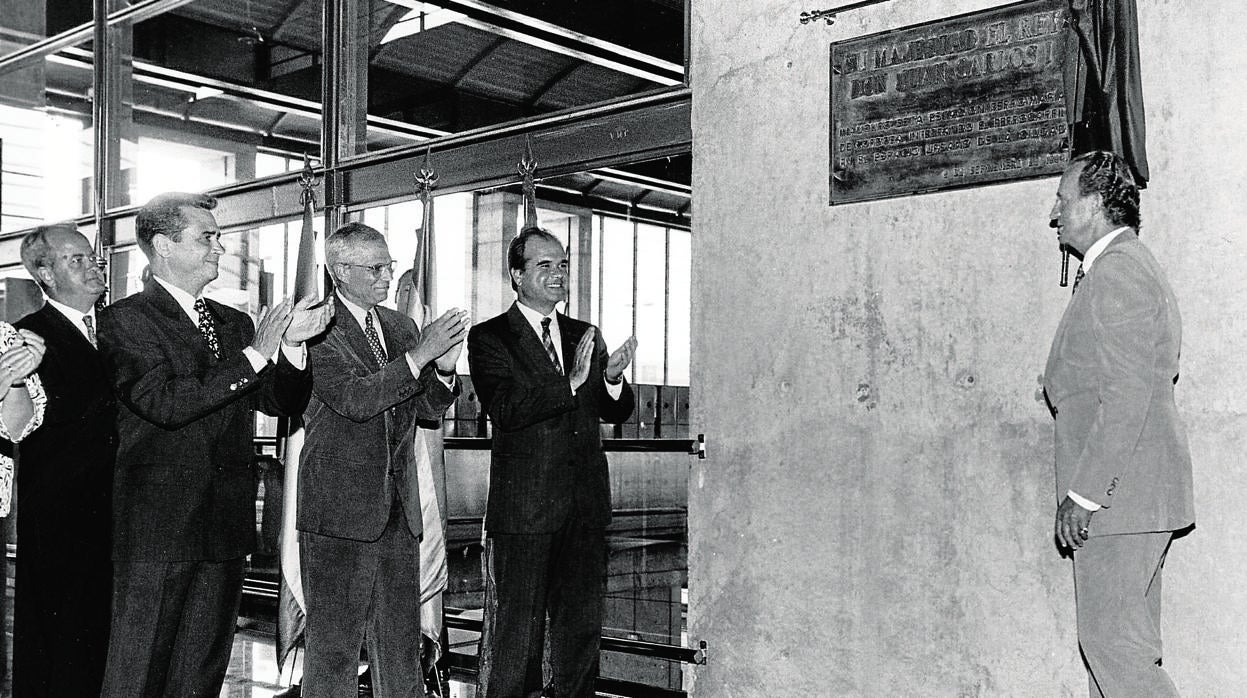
pixel 956 102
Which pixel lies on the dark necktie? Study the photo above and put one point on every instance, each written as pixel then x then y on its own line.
pixel 374 341
pixel 1078 277
pixel 86 320
pixel 548 343
pixel 207 328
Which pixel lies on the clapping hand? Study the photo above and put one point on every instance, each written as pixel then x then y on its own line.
pixel 307 320
pixel 581 361
pixel 441 340
pixel 620 359
pixel 271 327
pixel 20 360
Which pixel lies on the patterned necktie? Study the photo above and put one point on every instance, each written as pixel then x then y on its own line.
pixel 374 341
pixel 548 343
pixel 207 328
pixel 86 320
pixel 1078 277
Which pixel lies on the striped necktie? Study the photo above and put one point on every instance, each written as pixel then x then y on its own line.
pixel 86 320
pixel 548 343
pixel 1078 277
pixel 374 340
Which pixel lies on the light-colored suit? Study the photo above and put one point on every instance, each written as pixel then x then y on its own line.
pixel 1120 443
pixel 1110 381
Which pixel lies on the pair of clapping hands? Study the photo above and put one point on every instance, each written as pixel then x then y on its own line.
pixel 615 364
pixel 20 360
pixel 291 323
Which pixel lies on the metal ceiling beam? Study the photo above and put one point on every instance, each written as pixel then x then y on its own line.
pixel 552 37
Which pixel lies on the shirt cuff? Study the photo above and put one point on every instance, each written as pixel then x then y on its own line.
pixel 613 390
pixel 296 355
pixel 1083 501
pixel 257 361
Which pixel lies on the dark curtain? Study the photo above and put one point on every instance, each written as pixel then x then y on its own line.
pixel 1103 88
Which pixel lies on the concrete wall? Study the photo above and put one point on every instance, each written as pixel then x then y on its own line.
pixel 874 518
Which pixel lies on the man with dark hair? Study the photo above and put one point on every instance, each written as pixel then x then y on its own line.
pixel 1123 469
pixel 549 492
pixel 189 374
pixel 359 515
pixel 63 585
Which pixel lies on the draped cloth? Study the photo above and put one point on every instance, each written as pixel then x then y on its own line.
pixel 291 607
pixel 1103 85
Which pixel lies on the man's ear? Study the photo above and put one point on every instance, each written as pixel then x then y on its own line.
pixel 46 276
pixel 161 244
pixel 515 276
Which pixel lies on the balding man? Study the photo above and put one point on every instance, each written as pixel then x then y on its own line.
pixel 63 585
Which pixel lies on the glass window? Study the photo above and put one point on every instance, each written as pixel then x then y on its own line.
pixel 46 140
pixel 679 306
pixel 651 302
pixel 219 92
pixel 618 248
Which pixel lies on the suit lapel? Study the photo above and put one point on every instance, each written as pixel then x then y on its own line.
pixel 63 332
pixel 168 308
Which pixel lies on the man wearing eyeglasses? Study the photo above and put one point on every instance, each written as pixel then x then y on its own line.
pixel 63 586
pixel 359 516
pixel 189 374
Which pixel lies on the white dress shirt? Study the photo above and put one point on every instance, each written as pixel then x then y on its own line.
pixel 534 319
pixel 1096 249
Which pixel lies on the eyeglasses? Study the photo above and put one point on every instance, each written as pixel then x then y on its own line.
pixel 81 261
pixel 374 269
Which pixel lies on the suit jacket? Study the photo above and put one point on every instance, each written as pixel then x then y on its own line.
pixel 185 481
pixel 65 467
pixel 360 425
pixel 1110 380
pixel 547 458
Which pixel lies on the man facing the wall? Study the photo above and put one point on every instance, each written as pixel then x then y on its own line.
pixel 549 491
pixel 1123 468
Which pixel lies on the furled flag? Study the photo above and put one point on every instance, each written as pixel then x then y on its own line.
pixel 291 614
pixel 415 298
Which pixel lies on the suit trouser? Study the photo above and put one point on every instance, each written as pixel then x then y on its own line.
pixel 1117 587
pixel 61 609
pixel 172 628
pixel 357 591
pixel 562 574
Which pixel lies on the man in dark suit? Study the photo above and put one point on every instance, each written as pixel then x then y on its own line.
pixel 1123 469
pixel 189 374
pixel 359 515
pixel 549 491
pixel 63 586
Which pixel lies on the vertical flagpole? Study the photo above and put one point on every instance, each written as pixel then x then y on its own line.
pixel 291 618
pixel 430 457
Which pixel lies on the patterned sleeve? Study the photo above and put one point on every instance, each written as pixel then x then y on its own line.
pixel 34 387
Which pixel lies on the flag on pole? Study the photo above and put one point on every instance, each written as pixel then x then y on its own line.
pixel 428 447
pixel 291 608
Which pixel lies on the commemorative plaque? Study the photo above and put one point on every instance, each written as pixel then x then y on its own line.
pixel 957 102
